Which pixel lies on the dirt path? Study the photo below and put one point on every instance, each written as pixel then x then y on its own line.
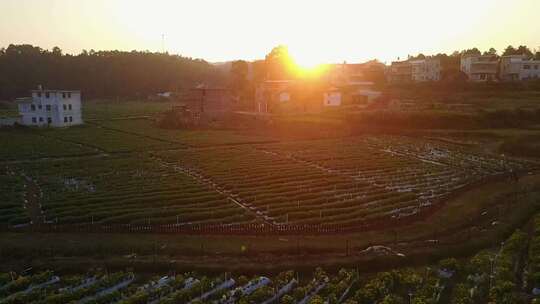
pixel 32 199
pixel 215 187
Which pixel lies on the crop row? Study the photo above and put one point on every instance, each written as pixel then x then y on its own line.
pixel 127 190
pixel 12 198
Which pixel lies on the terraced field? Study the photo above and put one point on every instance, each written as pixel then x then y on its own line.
pixel 127 190
pixel 341 181
pixel 12 201
pixel 17 144
pixel 194 138
pixel 347 182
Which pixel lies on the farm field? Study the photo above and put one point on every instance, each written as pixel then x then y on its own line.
pixel 30 144
pixel 12 204
pixel 505 273
pixel 108 109
pixel 126 190
pixel 126 172
pixel 195 138
pixel 106 140
pixel 346 182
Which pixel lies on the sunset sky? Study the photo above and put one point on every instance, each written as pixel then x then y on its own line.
pixel 315 31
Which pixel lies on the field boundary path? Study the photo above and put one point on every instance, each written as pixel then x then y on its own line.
pixel 139 134
pixel 317 166
pixel 213 186
pixel 32 195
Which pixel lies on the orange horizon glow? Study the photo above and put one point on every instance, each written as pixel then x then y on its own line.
pixel 316 32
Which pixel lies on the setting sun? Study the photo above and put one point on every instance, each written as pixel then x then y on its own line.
pixel 315 31
pixel 269 152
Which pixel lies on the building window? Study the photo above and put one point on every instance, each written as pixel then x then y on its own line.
pixel 536 67
pixel 69 94
pixel 41 119
pixel 47 95
pixel 33 107
pixel 64 106
pixel 69 106
pixel 34 120
pixel 70 119
pixel 65 119
pixel 63 95
pixel 39 107
pixel 39 94
pixel 526 67
pixel 48 108
pixel 49 120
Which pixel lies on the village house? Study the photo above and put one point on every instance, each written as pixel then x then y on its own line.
pixel 418 70
pixel 400 72
pixel 428 69
pixel 352 84
pixel 332 97
pixel 51 108
pixel 270 94
pixel 480 68
pixel 209 103
pixel 518 67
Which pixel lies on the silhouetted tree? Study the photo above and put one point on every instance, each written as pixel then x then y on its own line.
pixel 239 83
pixel 524 50
pixel 492 51
pixel 473 51
pixel 521 50
pixel 280 64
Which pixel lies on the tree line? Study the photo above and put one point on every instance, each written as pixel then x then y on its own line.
pixel 100 74
pixel 111 74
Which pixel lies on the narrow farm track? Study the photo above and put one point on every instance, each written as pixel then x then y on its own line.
pixel 97 149
pixel 133 133
pixel 32 197
pixel 214 186
pixel 319 167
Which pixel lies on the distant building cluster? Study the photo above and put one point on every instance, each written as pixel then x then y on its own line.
pixel 418 70
pixel 345 85
pixel 477 68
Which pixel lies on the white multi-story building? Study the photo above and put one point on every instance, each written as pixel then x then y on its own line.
pixel 418 70
pixel 518 67
pixel 54 108
pixel 428 69
pixel 480 68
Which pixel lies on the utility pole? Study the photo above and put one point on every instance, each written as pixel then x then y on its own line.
pixel 163 43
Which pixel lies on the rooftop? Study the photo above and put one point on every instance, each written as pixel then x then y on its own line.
pixel 56 91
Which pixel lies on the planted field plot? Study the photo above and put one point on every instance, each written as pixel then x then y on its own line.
pixel 98 286
pixel 197 138
pixel 104 110
pixel 429 169
pixel 344 182
pixel 127 190
pixel 506 273
pixel 107 140
pixel 29 144
pixel 12 201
